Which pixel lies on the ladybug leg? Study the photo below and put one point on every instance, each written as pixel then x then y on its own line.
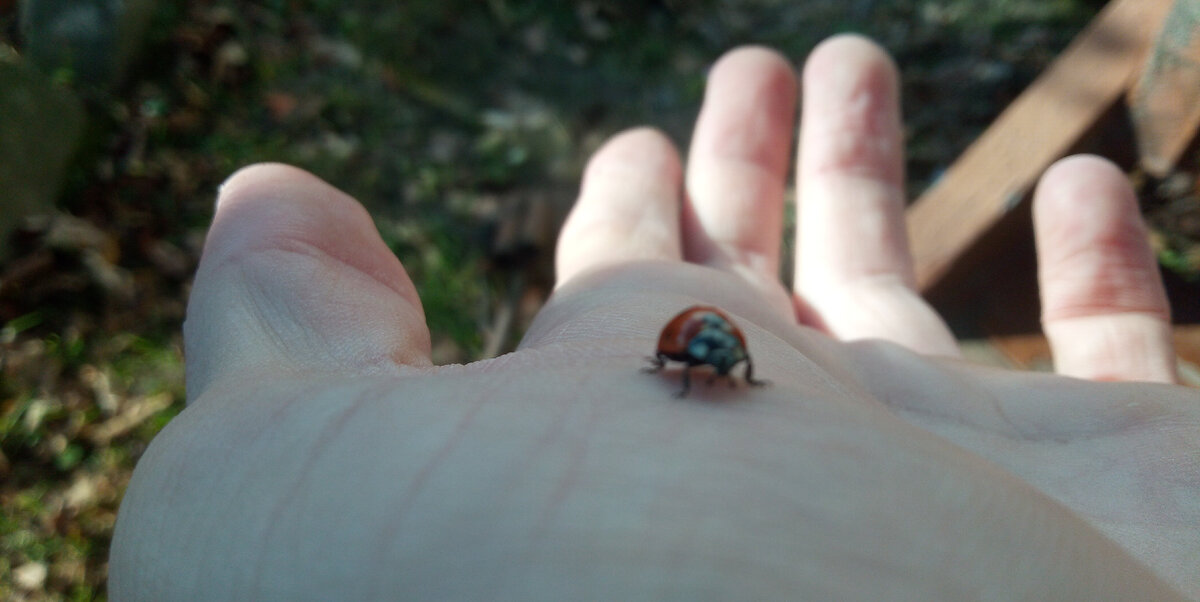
pixel 656 363
pixel 750 376
pixel 687 383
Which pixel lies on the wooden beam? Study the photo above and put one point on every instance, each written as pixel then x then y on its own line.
pixel 1001 167
pixel 1165 103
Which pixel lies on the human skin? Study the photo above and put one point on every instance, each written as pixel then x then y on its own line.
pixel 323 456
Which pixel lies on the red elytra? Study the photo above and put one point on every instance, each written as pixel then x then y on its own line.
pixel 703 336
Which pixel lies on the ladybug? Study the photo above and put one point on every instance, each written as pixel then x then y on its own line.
pixel 699 336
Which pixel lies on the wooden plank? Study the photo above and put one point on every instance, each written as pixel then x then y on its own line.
pixel 1001 167
pixel 1032 352
pixel 1027 351
pixel 1187 342
pixel 1165 103
pixel 1187 346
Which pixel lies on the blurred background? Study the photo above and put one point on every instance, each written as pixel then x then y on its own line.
pixel 462 126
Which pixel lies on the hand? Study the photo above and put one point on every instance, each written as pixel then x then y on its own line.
pixel 322 456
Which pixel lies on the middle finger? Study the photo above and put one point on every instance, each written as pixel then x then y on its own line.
pixel 852 258
pixel 737 166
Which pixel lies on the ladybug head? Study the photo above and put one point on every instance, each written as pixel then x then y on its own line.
pixel 725 359
pixel 716 347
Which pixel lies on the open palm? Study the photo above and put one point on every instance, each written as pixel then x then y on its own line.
pixel 322 456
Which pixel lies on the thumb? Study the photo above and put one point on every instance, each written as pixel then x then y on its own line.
pixel 295 279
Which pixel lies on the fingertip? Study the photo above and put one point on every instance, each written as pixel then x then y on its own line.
pixel 850 122
pixel 257 174
pixel 752 54
pixel 774 81
pixel 1072 185
pixel 628 205
pixel 749 109
pixel 294 277
pixel 748 112
pixel 637 151
pixel 1094 255
pixel 1069 166
pixel 272 205
pixel 1104 308
pixel 849 54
